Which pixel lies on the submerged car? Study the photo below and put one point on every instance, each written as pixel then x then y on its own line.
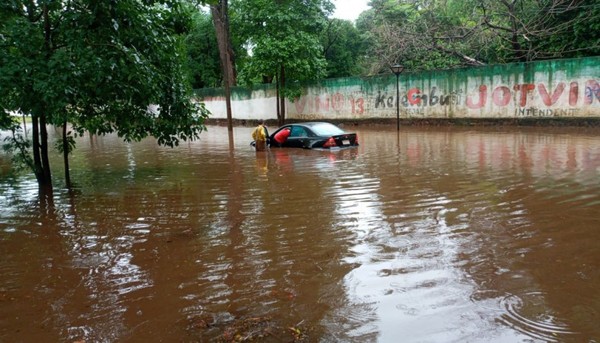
pixel 312 135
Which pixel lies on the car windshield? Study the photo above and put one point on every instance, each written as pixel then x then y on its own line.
pixel 326 129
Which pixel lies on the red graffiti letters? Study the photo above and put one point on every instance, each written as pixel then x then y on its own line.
pixel 358 105
pixel 501 96
pixel 573 93
pixel 526 92
pixel 482 98
pixel 528 99
pixel 324 104
pixel 300 104
pixel 413 96
pixel 337 102
pixel 549 101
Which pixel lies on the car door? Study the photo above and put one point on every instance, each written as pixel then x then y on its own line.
pixel 298 137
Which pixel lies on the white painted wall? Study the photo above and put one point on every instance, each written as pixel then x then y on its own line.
pixel 561 88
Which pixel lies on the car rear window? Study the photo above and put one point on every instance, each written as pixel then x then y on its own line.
pixel 326 129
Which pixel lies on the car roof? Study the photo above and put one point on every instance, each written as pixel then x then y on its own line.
pixel 321 128
pixel 312 123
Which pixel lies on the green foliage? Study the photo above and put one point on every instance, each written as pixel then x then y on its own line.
pixel 421 34
pixel 203 53
pixel 398 12
pixel 433 34
pixel 583 36
pixel 70 140
pixel 100 66
pixel 282 33
pixel 128 66
pixel 17 145
pixel 345 48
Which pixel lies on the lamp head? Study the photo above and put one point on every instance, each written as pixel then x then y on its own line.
pixel 397 68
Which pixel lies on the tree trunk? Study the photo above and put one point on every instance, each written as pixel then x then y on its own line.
pixel 24 125
pixel 41 162
pixel 282 96
pixel 228 102
pixel 221 22
pixel 65 145
pixel 40 134
pixel 220 18
pixel 277 94
pixel 35 142
pixel 44 150
pixel 518 53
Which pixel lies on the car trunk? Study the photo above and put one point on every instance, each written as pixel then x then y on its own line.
pixel 347 139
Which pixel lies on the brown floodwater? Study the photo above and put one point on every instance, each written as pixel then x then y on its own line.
pixel 427 235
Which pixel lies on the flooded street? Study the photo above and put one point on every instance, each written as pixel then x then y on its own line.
pixel 427 235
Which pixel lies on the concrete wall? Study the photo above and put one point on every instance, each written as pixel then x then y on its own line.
pixel 546 89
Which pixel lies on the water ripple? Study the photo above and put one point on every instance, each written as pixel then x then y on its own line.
pixel 529 314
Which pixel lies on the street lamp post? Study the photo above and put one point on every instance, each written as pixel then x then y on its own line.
pixel 397 69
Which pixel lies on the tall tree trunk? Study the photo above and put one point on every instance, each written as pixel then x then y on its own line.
pixel 277 94
pixel 220 18
pixel 282 96
pixel 42 162
pixel 65 145
pixel 228 103
pixel 44 150
pixel 24 125
pixel 518 52
pixel 35 140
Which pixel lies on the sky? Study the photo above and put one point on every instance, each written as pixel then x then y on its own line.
pixel 349 9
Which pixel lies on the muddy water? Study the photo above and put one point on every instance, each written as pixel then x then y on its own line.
pixel 429 235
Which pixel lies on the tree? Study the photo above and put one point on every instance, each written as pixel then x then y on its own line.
pixel 423 34
pixel 220 15
pixel 203 53
pixel 582 38
pixel 529 30
pixel 433 34
pixel 284 37
pixel 344 48
pixel 100 66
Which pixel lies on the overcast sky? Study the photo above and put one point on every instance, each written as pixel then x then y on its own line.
pixel 349 9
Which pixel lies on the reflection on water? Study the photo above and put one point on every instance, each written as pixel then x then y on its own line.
pixel 427 235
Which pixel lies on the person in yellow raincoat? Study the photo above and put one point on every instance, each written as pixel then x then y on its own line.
pixel 260 136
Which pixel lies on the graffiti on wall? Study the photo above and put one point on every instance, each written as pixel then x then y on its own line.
pixel 558 88
pixel 324 104
pixel 525 100
pixel 417 97
pixel 522 93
